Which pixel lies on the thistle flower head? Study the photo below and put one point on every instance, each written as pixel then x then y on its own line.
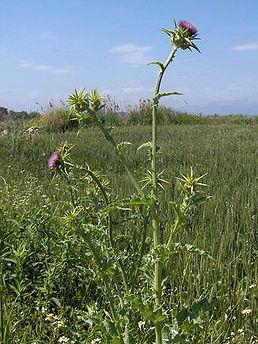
pixel 60 158
pixel 185 25
pixel 79 101
pixel 54 160
pixel 183 35
pixel 85 106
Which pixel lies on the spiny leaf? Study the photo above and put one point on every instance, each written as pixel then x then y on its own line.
pixel 125 204
pixel 157 63
pixel 195 47
pixel 168 31
pixel 165 94
pixel 144 145
pixel 122 145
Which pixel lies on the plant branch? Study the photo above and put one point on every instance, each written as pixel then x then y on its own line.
pixel 155 218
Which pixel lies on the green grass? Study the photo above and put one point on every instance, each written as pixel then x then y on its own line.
pixel 226 227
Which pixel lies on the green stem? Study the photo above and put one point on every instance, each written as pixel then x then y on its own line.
pixel 120 155
pixel 155 218
pixel 173 232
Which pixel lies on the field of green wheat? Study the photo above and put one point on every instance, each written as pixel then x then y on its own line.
pixel 49 292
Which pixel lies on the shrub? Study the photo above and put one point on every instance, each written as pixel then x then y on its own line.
pixel 57 119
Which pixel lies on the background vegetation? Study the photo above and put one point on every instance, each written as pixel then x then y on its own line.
pixel 48 290
pixel 58 118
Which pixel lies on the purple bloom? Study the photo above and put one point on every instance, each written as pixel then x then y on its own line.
pixel 54 160
pixel 185 25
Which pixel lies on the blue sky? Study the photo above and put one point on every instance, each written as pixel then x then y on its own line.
pixel 48 48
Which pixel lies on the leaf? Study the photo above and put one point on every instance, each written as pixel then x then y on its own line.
pixel 144 145
pixel 195 47
pixel 122 145
pixel 125 204
pixel 10 260
pixel 155 316
pixel 180 247
pixel 116 340
pixel 56 301
pixel 141 201
pixel 168 32
pixel 201 305
pixel 165 94
pixel 182 315
pixel 157 63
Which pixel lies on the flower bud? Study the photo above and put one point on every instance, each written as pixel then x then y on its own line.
pixel 54 160
pixel 183 35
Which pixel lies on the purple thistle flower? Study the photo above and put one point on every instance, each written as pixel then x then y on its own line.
pixel 54 160
pixel 185 25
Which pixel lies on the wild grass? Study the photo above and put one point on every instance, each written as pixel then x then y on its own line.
pixel 47 281
pixel 58 118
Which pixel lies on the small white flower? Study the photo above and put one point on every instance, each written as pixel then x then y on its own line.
pixel 59 324
pixel 51 317
pixel 246 311
pixel 63 339
pixel 252 286
pixel 141 324
pixel 43 310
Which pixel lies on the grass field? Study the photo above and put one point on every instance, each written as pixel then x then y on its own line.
pixel 37 274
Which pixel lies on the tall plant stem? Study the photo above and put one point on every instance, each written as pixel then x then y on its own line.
pixel 120 155
pixel 155 215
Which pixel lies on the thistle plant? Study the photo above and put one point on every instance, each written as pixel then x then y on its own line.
pixel 182 38
pixel 154 252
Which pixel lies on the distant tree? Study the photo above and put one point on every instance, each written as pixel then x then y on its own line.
pixel 33 114
pixel 3 113
pixel 17 115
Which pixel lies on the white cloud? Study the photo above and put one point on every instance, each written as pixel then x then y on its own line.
pixel 132 89
pixel 47 68
pixel 132 53
pixel 246 47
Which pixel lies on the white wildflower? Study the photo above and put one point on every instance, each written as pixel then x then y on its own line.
pixel 63 339
pixel 59 324
pixel 141 324
pixel 246 311
pixel 51 317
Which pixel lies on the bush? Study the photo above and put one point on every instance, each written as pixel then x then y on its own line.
pixel 56 120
